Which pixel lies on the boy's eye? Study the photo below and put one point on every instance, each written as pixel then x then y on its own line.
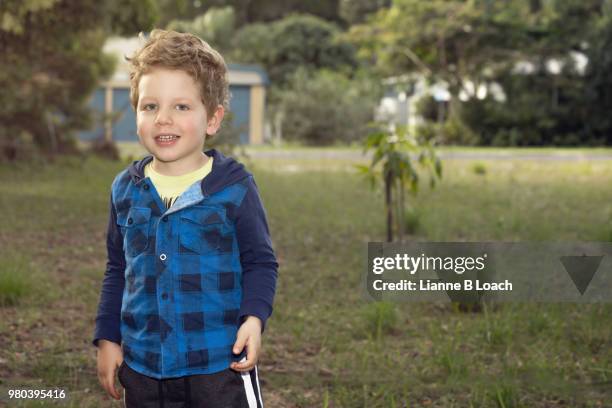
pixel 152 106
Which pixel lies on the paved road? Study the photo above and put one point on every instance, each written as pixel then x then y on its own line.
pixel 356 155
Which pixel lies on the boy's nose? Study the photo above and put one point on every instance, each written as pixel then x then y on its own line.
pixel 163 118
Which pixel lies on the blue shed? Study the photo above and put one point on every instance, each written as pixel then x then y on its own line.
pixel 112 99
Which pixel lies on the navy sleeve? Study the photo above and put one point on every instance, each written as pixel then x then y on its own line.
pixel 259 266
pixel 108 319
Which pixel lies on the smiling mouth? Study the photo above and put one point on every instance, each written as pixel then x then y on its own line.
pixel 166 138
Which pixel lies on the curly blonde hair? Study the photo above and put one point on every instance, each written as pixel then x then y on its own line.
pixel 185 52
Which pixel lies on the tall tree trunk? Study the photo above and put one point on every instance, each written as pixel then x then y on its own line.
pixel 389 204
pixel 401 219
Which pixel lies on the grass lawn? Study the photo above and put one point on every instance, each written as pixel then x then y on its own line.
pixel 320 346
pixel 135 149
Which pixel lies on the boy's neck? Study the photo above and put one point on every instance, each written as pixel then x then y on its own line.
pixel 179 168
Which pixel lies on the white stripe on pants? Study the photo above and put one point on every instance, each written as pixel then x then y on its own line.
pixel 253 396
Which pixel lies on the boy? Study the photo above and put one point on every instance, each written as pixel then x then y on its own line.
pixel 191 273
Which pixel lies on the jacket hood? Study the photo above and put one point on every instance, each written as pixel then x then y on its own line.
pixel 225 171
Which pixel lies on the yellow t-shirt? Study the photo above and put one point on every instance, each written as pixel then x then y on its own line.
pixel 170 188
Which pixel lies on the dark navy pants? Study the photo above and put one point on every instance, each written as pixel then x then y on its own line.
pixel 225 389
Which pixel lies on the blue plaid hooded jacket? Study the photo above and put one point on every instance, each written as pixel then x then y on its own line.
pixel 180 281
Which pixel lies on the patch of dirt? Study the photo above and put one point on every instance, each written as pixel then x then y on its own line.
pixel 274 399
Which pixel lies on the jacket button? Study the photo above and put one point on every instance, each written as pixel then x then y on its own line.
pixel 130 221
pixel 163 257
pixel 146 186
pixel 165 218
pixel 164 296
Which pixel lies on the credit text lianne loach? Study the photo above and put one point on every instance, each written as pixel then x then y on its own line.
pixel 422 263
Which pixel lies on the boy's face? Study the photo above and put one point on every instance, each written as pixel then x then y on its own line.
pixel 171 118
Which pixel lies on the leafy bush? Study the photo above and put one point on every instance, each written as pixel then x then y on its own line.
pixel 326 107
pixel 451 132
pixel 428 108
pixel 104 148
pixel 227 139
pixel 540 109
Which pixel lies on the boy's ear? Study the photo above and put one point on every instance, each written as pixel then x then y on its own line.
pixel 214 122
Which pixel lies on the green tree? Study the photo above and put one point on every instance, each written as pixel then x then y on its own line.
pixel 598 80
pixel 52 62
pixel 249 11
pixel 545 107
pixel 170 10
pixel 473 44
pixel 357 11
pixel 251 44
pixel 216 26
pixel 270 10
pixel 452 41
pixel 297 41
pixel 392 160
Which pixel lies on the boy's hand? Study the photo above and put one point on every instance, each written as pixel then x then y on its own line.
pixel 249 335
pixel 110 358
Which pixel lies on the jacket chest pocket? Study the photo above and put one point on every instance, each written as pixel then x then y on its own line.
pixel 134 224
pixel 201 231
